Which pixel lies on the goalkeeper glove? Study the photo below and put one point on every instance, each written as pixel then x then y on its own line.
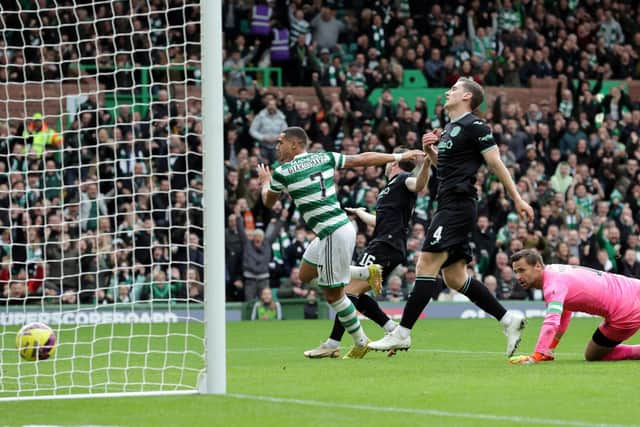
pixel 528 360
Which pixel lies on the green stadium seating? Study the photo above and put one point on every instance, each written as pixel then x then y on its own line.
pixel 413 79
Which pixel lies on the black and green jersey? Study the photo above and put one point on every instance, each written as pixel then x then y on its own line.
pixel 462 143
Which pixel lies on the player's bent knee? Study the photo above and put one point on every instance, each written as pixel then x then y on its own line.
pixel 591 357
pixel 333 294
pixel 455 275
pixel 429 263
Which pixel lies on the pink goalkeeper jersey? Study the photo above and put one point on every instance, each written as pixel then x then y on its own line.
pixel 570 288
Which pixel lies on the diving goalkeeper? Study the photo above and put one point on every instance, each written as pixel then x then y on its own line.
pixel 570 288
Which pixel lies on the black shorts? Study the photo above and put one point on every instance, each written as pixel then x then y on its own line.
pixel 450 230
pixel 384 254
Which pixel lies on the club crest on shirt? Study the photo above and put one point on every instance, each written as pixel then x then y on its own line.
pixel 384 192
pixel 455 131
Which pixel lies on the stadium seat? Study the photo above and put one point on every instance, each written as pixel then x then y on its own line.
pixel 413 79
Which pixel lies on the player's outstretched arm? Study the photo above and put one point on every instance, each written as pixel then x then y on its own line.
pixel 555 324
pixel 492 158
pixel 364 216
pixel 379 159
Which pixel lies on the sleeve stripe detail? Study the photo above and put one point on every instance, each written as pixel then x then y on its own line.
pixel 554 307
pixel 489 148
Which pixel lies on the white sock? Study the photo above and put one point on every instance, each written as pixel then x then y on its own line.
pixel 390 326
pixel 506 319
pixel 361 273
pixel 349 318
pixel 402 331
pixel 332 343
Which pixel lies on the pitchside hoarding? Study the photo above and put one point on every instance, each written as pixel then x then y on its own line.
pixel 90 316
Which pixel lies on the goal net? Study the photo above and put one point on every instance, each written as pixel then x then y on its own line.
pixel 101 204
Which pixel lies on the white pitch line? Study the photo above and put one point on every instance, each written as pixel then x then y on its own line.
pixel 431 412
pixel 413 350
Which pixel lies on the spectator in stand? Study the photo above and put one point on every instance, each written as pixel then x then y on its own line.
pixel 293 286
pixel 491 284
pixel 233 262
pixel 561 179
pixel 266 308
pixel 194 285
pixel 509 286
pixel 256 257
pixel 234 65
pixel 266 128
pixel 630 265
pixel 38 136
pixel 326 28
pixel 572 135
pixel 311 306
pixel 394 292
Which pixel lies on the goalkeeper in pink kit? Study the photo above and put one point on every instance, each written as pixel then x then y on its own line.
pixel 570 288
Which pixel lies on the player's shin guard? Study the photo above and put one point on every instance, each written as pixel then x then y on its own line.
pixel 346 313
pixel 418 300
pixel 480 296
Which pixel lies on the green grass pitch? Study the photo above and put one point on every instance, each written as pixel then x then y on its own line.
pixel 455 375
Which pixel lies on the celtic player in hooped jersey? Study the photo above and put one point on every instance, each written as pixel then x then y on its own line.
pixel 308 178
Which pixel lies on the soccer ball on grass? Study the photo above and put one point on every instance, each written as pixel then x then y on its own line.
pixel 36 341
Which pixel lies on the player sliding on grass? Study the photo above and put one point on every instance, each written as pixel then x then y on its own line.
pixel 308 178
pixel 570 288
pixel 463 146
pixel 388 247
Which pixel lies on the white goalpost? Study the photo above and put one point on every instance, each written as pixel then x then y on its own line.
pixel 111 196
pixel 216 372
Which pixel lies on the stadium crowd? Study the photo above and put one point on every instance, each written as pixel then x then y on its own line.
pixel 574 158
pixel 110 207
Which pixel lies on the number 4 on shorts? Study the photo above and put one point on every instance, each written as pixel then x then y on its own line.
pixel 437 235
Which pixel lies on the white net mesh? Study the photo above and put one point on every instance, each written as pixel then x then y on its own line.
pixel 101 194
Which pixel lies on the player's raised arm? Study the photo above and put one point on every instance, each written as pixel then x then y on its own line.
pixel 492 158
pixel 417 183
pixel 429 145
pixel 379 159
pixel 270 191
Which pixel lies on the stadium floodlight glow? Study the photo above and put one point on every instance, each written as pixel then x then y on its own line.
pixel 111 218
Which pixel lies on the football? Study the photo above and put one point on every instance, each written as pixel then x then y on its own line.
pixel 36 341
